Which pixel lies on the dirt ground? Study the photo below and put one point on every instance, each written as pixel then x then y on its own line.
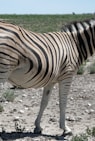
pixel 21 114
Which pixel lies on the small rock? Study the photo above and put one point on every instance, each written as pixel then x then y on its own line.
pixel 73 119
pixel 16 118
pixel 24 95
pixel 21 111
pixel 70 119
pixel 14 110
pixel 52 120
pixel 71 98
pixel 84 91
pixel 20 100
pixel 75 90
pixel 57 103
pixel 87 111
pixel 78 118
pixel 26 108
pixel 6 102
pixel 91 111
pixel 54 87
pixel 89 104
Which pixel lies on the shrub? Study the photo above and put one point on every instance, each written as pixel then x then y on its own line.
pixel 82 137
pixel 9 95
pixel 91 132
pixel 1 108
pixel 19 128
pixel 81 70
pixel 92 69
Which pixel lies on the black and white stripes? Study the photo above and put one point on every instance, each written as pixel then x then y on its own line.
pixel 29 59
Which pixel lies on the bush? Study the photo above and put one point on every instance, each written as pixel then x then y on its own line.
pixel 81 70
pixel 82 137
pixel 1 108
pixel 92 69
pixel 91 132
pixel 9 95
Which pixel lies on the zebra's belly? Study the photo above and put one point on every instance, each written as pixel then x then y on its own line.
pixel 26 80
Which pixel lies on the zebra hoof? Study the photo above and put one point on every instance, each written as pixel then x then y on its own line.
pixel 37 130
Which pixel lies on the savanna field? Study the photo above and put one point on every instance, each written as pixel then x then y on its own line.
pixel 44 23
pixel 19 107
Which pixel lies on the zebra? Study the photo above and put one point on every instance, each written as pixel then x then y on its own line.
pixel 32 60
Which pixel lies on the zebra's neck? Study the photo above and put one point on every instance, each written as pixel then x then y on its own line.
pixel 83 34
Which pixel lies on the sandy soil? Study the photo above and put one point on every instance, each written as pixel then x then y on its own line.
pixel 21 114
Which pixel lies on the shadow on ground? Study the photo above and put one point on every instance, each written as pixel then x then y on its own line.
pixel 20 135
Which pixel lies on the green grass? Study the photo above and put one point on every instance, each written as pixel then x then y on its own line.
pixel 82 137
pixel 44 23
pixel 90 133
pixel 9 95
pixel 80 70
pixel 92 68
pixel 1 108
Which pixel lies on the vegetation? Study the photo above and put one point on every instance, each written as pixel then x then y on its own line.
pixel 82 137
pixel 9 95
pixel 44 23
pixel 81 70
pixel 1 109
pixel 92 68
pixel 90 133
pixel 18 127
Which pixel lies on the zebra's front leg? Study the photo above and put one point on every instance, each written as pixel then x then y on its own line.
pixel 63 93
pixel 44 102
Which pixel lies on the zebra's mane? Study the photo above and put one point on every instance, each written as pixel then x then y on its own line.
pixel 68 27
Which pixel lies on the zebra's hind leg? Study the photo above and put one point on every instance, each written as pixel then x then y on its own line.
pixel 44 102
pixel 63 93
